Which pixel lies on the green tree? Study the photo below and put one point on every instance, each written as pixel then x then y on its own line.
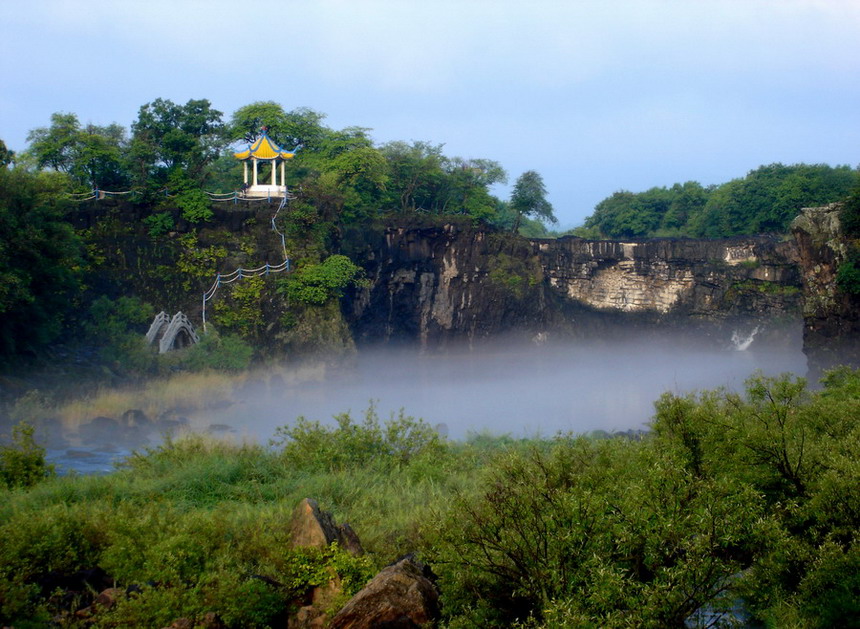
pixel 7 157
pixel 167 137
pixel 529 199
pixel 769 198
pixel 22 462
pixel 92 156
pixel 41 260
pixel 288 129
pixel 416 171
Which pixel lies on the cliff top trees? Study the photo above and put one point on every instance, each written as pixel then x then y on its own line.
pixel 765 200
pixel 288 129
pixel 167 136
pixel 529 199
pixel 92 155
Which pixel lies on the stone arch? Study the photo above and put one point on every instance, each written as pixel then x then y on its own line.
pixel 172 333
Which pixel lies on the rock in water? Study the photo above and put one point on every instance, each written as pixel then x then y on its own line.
pixel 400 596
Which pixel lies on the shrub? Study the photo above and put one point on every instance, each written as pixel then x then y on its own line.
pixel 848 273
pixel 315 284
pixel 310 445
pixel 159 224
pixel 22 463
pixel 228 352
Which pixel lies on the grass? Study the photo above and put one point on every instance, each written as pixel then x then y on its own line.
pixel 186 391
pixel 197 517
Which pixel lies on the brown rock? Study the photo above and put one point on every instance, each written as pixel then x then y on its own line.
pixel 401 596
pixel 211 620
pixel 107 598
pixel 321 598
pixel 310 527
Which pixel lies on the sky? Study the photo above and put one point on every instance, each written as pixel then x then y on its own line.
pixel 597 96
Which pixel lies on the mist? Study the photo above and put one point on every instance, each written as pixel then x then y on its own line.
pixel 524 390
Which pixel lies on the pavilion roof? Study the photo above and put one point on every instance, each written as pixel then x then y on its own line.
pixel 264 148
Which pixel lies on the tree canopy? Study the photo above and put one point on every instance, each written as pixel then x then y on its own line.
pixel 529 199
pixel 765 201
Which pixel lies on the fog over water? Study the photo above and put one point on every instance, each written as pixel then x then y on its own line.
pixel 520 389
pixel 523 390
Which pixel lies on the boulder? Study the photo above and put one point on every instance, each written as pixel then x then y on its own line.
pixel 313 615
pixel 311 527
pixel 135 418
pixel 400 596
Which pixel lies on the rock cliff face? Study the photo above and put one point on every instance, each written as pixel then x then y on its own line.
pixel 831 333
pixel 437 284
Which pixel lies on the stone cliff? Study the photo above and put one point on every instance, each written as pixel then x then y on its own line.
pixel 831 333
pixel 438 284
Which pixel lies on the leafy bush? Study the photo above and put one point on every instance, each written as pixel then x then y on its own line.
pixel 848 273
pixel 228 352
pixel 118 327
pixel 159 224
pixel 190 199
pixel 315 284
pixel 849 216
pixel 311 445
pixel 22 463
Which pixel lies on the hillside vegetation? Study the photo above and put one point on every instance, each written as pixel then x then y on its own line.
pixel 735 505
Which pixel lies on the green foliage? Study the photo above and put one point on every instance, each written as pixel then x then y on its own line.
pixel 848 273
pixel 766 200
pixel 288 129
pixel 228 353
pixel 22 462
pixel 92 156
pixel 315 284
pixel 117 327
pixel 314 446
pixel 529 199
pixel 7 156
pixel 849 215
pixel 190 199
pixel 159 224
pixel 170 138
pixel 41 260
pixel 513 275
pixel 241 309
pixel 196 263
pixel 752 495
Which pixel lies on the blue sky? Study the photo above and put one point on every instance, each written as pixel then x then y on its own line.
pixel 597 96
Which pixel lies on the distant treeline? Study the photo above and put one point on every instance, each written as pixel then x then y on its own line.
pixel 765 201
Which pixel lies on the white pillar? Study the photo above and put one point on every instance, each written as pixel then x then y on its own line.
pixel 245 171
pixel 283 179
pixel 255 171
pixel 274 172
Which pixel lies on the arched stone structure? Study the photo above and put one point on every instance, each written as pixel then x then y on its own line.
pixel 171 333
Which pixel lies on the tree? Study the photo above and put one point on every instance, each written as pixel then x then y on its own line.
pixel 416 171
pixel 288 129
pixel 92 156
pixel 41 259
pixel 7 157
pixel 167 136
pixel 529 199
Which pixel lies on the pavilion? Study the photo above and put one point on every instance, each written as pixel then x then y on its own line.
pixel 264 149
